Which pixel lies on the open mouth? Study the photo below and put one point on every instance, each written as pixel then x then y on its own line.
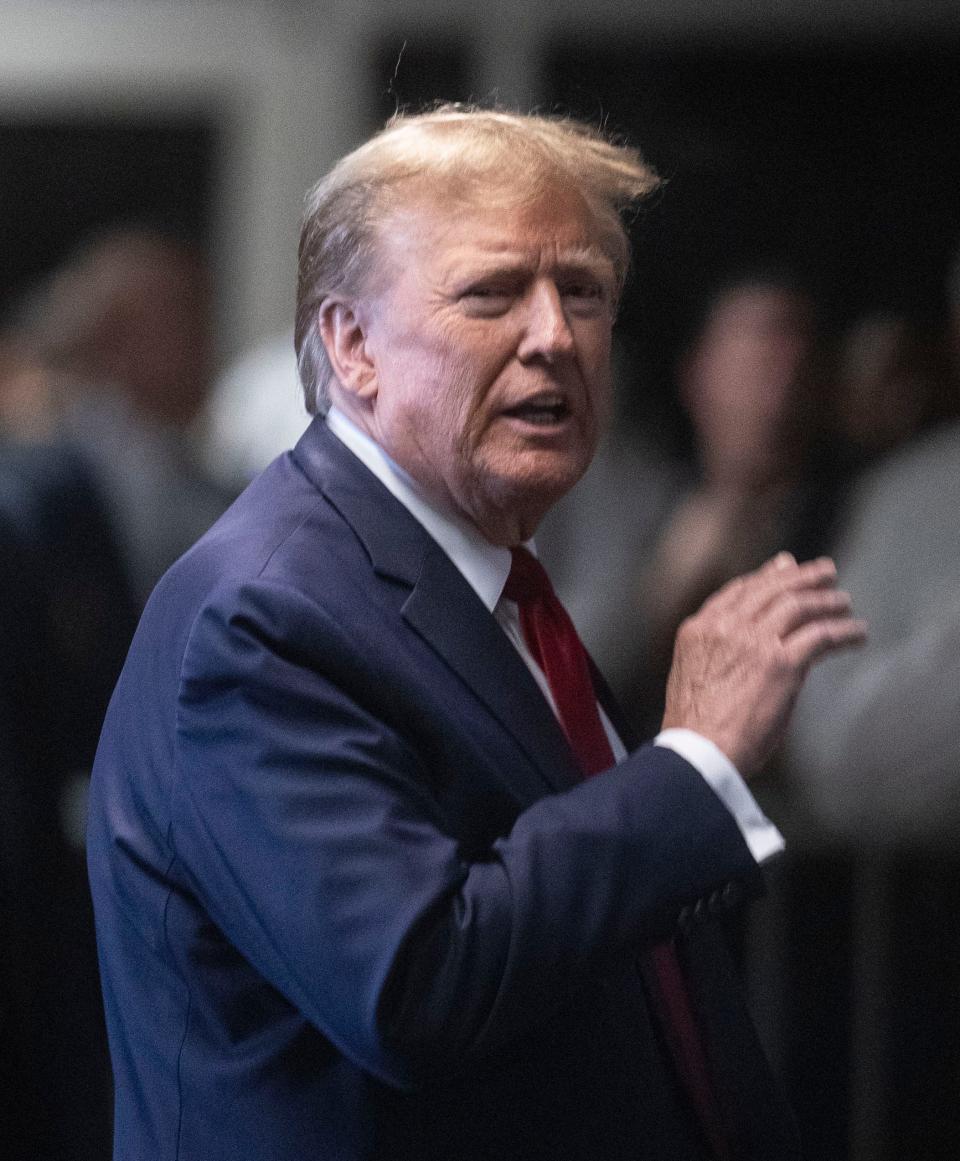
pixel 544 411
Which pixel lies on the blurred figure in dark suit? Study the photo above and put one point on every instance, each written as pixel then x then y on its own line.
pixel 66 614
pixel 101 376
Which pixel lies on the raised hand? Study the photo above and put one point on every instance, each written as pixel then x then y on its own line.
pixel 739 663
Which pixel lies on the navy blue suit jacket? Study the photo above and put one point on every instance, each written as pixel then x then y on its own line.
pixel 353 899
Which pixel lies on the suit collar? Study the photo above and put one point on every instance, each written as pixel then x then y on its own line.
pixel 442 608
pixel 394 541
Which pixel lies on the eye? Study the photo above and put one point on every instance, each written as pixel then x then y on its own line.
pixel 487 299
pixel 585 294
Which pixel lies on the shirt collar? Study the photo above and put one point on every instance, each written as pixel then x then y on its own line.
pixel 484 566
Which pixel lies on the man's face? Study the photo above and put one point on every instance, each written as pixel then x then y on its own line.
pixel 489 335
pixel 746 383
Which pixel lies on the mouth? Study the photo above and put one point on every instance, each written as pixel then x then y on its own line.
pixel 541 410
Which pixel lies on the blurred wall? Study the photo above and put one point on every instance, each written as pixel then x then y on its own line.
pixel 289 85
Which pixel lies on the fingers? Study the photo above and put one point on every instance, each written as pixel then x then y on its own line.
pixel 792 609
pixel 753 594
pixel 809 615
pixel 815 640
pixel 797 604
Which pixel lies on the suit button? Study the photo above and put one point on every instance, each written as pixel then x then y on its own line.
pixel 715 902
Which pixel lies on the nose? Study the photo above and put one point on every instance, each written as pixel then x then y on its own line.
pixel 546 333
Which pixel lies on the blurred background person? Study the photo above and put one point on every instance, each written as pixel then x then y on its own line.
pixel 900 549
pixel 751 385
pixel 101 378
pixel 125 326
pixel 874 754
pixel 893 379
pixel 66 617
pixel 899 545
pixel 28 397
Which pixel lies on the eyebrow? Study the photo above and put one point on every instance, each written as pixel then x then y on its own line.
pixel 574 260
pixel 585 257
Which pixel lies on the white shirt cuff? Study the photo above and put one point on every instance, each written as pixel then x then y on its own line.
pixel 759 833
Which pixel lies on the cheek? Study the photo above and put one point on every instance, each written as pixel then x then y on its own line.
pixel 599 376
pixel 437 401
pixel 470 389
pixel 594 340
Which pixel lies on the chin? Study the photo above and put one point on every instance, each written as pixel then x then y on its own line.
pixel 548 469
pixel 521 488
pixel 531 497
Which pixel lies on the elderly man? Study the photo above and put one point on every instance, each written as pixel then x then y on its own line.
pixel 359 893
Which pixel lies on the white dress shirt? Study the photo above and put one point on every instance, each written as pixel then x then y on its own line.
pixel 485 567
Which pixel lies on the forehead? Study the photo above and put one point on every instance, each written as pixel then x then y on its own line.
pixel 446 228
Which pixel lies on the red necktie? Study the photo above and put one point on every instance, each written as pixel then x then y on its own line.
pixel 552 639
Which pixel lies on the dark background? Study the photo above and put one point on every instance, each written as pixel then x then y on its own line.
pixel 60 180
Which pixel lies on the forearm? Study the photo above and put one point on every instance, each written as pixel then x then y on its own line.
pixel 616 864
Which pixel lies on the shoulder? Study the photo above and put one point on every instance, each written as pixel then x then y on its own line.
pixel 902 517
pixel 286 565
pixel 923 473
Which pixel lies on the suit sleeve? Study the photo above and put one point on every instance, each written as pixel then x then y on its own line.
pixel 307 827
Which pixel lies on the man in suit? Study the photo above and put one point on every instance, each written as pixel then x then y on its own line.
pixel 66 618
pixel 355 896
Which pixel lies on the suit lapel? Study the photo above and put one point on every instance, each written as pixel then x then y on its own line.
pixel 447 613
pixel 443 609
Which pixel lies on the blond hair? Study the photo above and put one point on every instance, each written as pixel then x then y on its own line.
pixel 462 150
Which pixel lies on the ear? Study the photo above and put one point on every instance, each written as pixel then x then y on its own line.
pixel 344 339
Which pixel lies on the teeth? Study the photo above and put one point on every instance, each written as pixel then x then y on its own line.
pixel 546 409
pixel 539 416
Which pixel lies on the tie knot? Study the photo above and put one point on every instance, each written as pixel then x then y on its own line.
pixel 528 578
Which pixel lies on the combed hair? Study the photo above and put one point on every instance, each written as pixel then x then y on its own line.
pixel 462 150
